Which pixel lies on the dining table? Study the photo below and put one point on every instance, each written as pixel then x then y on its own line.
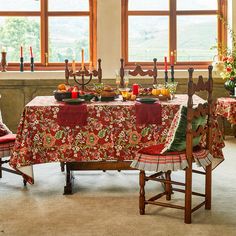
pixel 226 109
pixel 101 132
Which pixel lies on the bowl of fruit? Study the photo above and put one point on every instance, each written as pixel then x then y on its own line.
pixel 63 91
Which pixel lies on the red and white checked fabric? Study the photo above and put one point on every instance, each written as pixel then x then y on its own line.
pixel 170 161
pixel 5 149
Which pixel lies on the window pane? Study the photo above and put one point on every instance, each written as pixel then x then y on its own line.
pixel 148 38
pixel 68 5
pixel 22 5
pixel 17 31
pixel 148 5
pixel 194 43
pixel 197 5
pixel 66 41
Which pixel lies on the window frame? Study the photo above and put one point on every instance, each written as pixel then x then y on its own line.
pixel 44 14
pixel 173 13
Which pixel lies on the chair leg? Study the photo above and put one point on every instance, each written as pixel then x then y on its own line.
pixel 142 192
pixel 188 195
pixel 208 187
pixel 0 169
pixel 62 164
pixel 168 185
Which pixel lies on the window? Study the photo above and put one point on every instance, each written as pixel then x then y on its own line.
pixel 189 29
pixel 55 29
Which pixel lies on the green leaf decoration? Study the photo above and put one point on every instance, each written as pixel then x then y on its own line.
pixel 59 134
pixel 145 131
pixel 102 133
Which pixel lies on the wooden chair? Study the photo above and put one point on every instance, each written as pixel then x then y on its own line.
pixel 186 157
pixel 7 141
pixel 138 71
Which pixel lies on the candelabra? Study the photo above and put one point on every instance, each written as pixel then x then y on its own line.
pixel 4 62
pixel 83 77
pixel 32 64
pixel 21 64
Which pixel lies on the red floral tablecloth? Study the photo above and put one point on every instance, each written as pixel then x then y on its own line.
pixel 226 107
pixel 111 133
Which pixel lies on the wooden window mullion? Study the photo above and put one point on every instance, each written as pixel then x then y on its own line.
pixel 172 28
pixel 44 30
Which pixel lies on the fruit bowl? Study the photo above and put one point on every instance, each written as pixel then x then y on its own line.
pixel 60 95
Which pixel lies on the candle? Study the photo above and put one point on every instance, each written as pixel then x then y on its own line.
pixel 165 63
pixel 73 67
pixel 3 49
pixel 135 89
pixel 82 56
pixel 31 53
pixel 74 94
pixel 21 51
pixel 172 58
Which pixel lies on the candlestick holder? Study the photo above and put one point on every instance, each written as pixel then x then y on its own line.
pixel 21 64
pixel 166 76
pixel 32 64
pixel 172 74
pixel 83 77
pixel 4 62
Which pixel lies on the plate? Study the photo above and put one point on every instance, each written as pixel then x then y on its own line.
pixel 73 101
pixel 107 99
pixel 147 100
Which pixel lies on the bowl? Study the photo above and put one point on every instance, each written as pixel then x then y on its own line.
pixel 59 96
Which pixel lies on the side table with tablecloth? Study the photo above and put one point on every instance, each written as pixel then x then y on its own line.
pixel 226 109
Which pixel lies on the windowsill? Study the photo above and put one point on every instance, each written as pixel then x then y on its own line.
pixel 57 75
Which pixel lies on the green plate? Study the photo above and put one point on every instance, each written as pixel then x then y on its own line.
pixel 73 101
pixel 147 100
pixel 107 99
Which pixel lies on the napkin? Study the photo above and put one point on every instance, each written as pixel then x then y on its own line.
pixel 72 115
pixel 148 113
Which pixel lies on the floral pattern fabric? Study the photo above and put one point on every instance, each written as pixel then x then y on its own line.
pixel 226 107
pixel 111 133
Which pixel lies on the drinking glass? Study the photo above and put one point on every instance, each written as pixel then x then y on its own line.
pixel 117 79
pixel 172 86
pixel 126 78
pixel 124 93
pixel 98 89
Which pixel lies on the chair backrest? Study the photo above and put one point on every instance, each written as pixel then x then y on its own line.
pixel 138 71
pixel 86 73
pixel 200 110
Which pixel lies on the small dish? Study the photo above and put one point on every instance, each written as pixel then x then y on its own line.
pixel 147 100
pixel 73 101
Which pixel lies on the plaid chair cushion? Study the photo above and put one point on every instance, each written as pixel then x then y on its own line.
pixel 170 161
pixel 3 129
pixel 5 149
pixel 7 138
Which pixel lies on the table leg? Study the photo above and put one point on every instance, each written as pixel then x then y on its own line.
pixel 69 180
pixel 62 164
pixel 234 130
